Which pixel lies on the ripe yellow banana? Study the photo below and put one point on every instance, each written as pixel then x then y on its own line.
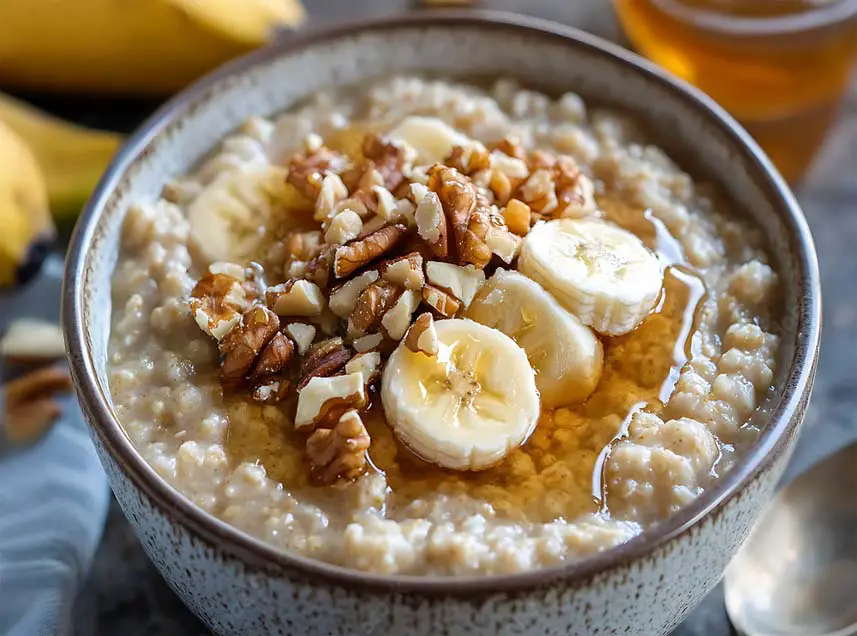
pixel 72 158
pixel 130 46
pixel 25 220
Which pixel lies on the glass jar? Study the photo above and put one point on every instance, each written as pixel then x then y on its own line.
pixel 779 66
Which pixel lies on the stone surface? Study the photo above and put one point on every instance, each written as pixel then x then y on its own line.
pixel 125 595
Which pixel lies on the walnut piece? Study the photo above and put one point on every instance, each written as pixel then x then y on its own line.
pixel 398 318
pixel 422 336
pixel 466 211
pixel 517 216
pixel 441 301
pixel 339 452
pixel 345 226
pixel 306 172
pixel 273 358
pixel 431 221
pixel 296 298
pixel 332 191
pixel 302 335
pixel 349 258
pixel 461 282
pixel 343 298
pixel 326 398
pixel 372 303
pixel 405 271
pixel 389 159
pixel 271 392
pixel 368 364
pixel 469 159
pixel 216 303
pixel 318 270
pixel 368 342
pixel 31 341
pixel 240 347
pixel 324 359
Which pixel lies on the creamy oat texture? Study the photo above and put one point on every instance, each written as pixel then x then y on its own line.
pixel 545 503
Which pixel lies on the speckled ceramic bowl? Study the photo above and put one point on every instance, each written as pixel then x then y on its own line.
pixel 239 585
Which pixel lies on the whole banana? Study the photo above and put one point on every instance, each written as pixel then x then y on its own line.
pixel 130 47
pixel 27 228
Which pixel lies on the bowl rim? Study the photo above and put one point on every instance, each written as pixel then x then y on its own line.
pixel 255 552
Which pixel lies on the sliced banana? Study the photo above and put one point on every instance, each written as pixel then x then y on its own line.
pixel 229 217
pixel 431 138
pixel 601 273
pixel 466 407
pixel 566 354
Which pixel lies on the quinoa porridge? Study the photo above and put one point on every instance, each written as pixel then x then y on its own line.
pixel 427 328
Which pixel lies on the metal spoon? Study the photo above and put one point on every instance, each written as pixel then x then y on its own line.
pixel 797 573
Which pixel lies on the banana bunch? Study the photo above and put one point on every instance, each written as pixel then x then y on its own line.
pixel 141 47
pixel 48 168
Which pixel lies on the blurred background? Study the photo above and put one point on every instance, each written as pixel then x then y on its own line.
pixel 77 75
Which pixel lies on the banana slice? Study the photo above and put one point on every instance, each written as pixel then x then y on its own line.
pixel 229 217
pixel 566 354
pixel 432 138
pixel 601 273
pixel 466 407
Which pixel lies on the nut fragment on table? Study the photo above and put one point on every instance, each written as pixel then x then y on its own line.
pixel 339 452
pixel 30 407
pixel 31 341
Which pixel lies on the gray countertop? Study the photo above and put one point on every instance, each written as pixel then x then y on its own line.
pixel 124 593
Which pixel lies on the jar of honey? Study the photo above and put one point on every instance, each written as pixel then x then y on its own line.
pixel 779 66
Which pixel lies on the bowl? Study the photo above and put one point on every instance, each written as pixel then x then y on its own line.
pixel 239 585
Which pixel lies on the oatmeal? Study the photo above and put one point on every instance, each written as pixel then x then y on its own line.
pixel 426 328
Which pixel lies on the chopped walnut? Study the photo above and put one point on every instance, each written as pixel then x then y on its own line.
pixel 324 359
pixel 372 303
pixel 296 298
pixel 405 271
pixel 331 193
pixel 469 159
pixel 431 221
pixel 422 336
pixel 517 216
pixel 240 347
pixel 398 318
pixel 345 226
pixel 368 342
pixel 467 212
pixel 273 358
pixel 302 335
pixel 318 270
pixel 306 172
pixel 349 258
pixel 511 147
pixel 368 364
pixel 339 452
pixel 441 301
pixel 326 398
pixel 461 282
pixel 31 407
pixel 343 298
pixel 389 159
pixel 539 192
pixel 216 303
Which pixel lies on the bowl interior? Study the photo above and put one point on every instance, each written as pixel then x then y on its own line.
pixel 537 54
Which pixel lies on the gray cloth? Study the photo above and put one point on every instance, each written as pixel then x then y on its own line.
pixel 53 502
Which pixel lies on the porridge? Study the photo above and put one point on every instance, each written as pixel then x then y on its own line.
pixel 426 328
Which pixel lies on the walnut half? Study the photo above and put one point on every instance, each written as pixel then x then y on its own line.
pixel 339 452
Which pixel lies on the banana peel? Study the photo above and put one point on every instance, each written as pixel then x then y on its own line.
pixel 137 47
pixel 25 219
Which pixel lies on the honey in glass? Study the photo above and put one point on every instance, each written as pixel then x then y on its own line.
pixel 779 66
